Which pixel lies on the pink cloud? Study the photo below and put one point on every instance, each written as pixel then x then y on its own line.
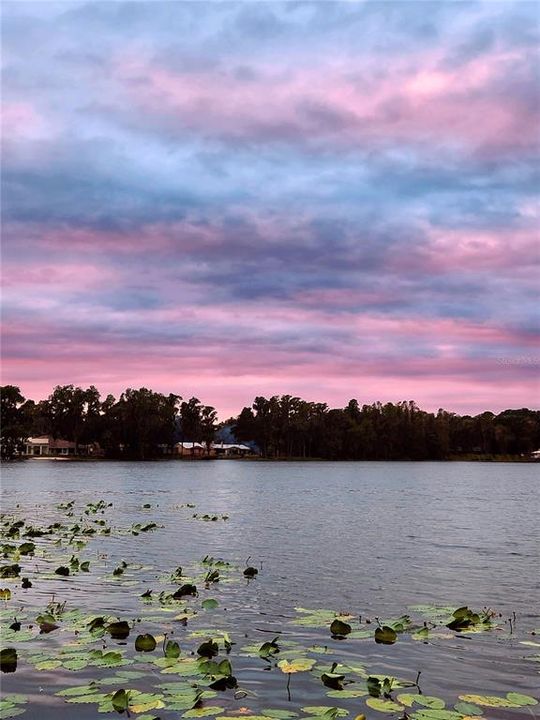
pixel 150 238
pixel 59 278
pixel 235 355
pixel 459 386
pixel 450 250
pixel 21 120
pixel 414 100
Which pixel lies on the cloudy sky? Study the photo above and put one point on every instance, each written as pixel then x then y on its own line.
pixel 226 199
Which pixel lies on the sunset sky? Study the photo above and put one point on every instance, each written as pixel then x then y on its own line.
pixel 325 199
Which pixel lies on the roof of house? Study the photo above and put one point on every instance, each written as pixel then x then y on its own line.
pixel 55 444
pixel 230 446
pixel 214 446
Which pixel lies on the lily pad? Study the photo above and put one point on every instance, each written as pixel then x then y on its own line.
pixel 297 665
pixel 521 700
pixel 429 701
pixel 8 660
pixel 118 630
pixel 120 701
pixel 385 635
pixel 325 711
pixel 172 649
pixel 145 643
pixel 279 714
pixel 210 604
pixel 382 705
pixel 203 712
pixel 493 701
pixel 338 628
pixel 468 709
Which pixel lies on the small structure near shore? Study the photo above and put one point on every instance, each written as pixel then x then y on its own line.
pixel 214 450
pixel 47 446
pixel 189 449
pixel 231 450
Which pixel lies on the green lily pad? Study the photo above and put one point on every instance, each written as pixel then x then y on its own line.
pixel 77 691
pixel 48 665
pixel 96 697
pixel 382 705
pixel 338 628
pixel 145 643
pixel 521 700
pixel 279 714
pixel 208 649
pixel 172 649
pixel 118 630
pixel 10 571
pixel 210 604
pixel 8 660
pixel 120 700
pixel 11 712
pixel 385 635
pixel 469 709
pixel 429 701
pixel 436 714
pixel 203 712
pixel 326 711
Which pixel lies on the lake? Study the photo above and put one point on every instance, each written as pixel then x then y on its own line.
pixel 368 540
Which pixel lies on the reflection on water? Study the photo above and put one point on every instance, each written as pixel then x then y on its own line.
pixel 370 538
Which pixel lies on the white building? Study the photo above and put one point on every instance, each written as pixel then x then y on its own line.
pixel 228 449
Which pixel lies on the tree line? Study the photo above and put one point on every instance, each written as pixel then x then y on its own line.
pixel 141 424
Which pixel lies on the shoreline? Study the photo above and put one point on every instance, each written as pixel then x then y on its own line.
pixel 454 458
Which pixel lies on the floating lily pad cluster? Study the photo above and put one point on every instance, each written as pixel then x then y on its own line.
pixel 429 622
pixel 166 643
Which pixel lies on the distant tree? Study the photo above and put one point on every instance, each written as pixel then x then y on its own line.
pixel 71 413
pixel 244 426
pixel 353 409
pixel 517 431
pixel 140 421
pixel 208 425
pixel 190 420
pixel 16 420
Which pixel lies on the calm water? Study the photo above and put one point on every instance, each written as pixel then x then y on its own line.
pixel 371 538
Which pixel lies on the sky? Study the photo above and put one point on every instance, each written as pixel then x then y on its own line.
pixel 231 199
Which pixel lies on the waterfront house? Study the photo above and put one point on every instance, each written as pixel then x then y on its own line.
pixel 231 450
pixel 189 449
pixel 48 446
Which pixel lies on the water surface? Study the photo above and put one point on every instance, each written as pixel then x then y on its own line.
pixel 364 537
